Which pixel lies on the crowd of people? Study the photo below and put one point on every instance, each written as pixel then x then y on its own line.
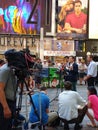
pixel 71 106
pixel 83 71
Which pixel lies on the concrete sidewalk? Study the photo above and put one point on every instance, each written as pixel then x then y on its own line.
pixel 53 94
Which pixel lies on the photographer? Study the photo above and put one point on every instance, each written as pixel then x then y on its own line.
pixel 7 96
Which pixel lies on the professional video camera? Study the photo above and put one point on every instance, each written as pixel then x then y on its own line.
pixel 20 61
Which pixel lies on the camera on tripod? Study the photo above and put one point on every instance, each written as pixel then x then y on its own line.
pixel 20 61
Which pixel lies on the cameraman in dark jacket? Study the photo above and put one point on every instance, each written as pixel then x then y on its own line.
pixel 72 72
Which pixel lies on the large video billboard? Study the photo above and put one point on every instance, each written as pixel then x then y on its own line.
pixel 72 19
pixel 93 19
pixel 20 16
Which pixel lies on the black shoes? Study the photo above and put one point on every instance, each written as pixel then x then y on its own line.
pixel 66 127
pixel 78 127
pixel 40 127
pixel 33 126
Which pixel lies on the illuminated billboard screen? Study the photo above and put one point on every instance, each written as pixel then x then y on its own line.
pixel 20 16
pixel 72 19
pixel 93 19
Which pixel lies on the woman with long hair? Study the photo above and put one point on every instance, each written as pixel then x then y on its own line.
pixel 92 104
pixel 66 9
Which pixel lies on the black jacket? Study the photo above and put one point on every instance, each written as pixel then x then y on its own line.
pixel 72 74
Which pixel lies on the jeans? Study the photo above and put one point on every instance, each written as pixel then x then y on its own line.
pixel 74 86
pixel 91 81
pixel 6 124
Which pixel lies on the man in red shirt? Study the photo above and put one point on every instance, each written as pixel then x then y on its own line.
pixel 77 20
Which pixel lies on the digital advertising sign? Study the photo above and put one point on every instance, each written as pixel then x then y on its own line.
pixel 72 19
pixel 93 19
pixel 20 17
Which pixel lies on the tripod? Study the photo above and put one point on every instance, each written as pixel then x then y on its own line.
pixel 21 82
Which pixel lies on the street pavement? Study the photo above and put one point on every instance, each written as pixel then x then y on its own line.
pixel 53 95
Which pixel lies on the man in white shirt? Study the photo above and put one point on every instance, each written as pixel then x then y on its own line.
pixel 91 71
pixel 68 107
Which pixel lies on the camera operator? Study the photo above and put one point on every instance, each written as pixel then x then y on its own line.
pixel 8 89
pixel 37 72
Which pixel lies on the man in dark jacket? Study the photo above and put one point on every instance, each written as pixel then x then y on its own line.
pixel 72 72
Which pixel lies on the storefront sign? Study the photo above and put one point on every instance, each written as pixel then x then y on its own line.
pixel 16 40
pixel 59 53
pixel 18 43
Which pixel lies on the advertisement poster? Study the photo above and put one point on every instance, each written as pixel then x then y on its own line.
pixel 59 47
pixel 51 78
pixel 63 45
pixel 72 19
pixel 19 16
pixel 93 19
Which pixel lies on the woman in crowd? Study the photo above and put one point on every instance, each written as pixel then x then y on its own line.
pixel 82 68
pixel 92 104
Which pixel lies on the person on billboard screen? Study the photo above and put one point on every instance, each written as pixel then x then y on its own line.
pixel 76 21
pixel 66 9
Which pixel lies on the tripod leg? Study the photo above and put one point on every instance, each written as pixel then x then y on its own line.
pixel 41 127
pixel 32 101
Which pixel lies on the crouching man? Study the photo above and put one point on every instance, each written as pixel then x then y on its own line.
pixel 41 103
pixel 69 110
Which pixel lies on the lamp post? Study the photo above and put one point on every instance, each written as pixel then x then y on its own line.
pixel 42 44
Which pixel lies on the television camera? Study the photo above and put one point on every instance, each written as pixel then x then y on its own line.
pixel 20 61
